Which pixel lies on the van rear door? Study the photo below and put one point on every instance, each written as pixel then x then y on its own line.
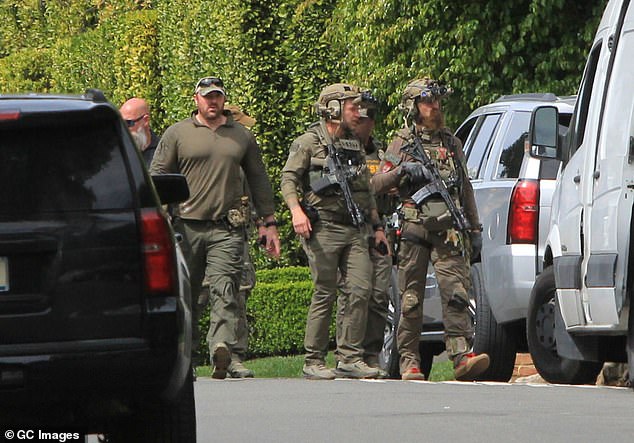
pixel 608 211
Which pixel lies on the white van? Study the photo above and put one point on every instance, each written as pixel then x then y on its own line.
pixel 579 308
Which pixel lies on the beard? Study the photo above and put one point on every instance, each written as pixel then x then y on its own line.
pixel 140 138
pixel 435 120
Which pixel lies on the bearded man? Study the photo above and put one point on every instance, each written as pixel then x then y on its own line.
pixel 429 231
pixel 136 114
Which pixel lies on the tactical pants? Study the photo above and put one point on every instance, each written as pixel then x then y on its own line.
pixel 214 251
pixel 247 283
pixel 377 305
pixel 333 247
pixel 444 248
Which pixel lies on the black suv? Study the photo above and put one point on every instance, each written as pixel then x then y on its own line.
pixel 95 325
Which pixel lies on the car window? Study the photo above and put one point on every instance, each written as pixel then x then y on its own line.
pixel 477 152
pixel 464 132
pixel 512 154
pixel 578 126
pixel 62 168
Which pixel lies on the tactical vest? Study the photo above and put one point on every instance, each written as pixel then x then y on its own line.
pixel 331 201
pixel 433 213
pixel 385 203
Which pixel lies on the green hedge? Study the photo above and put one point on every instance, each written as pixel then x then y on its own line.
pixel 276 55
pixel 276 310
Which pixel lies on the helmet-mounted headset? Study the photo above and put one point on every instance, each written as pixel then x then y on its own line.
pixel 330 102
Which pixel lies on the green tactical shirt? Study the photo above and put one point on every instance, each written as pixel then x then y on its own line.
pixel 211 161
pixel 305 164
pixel 444 149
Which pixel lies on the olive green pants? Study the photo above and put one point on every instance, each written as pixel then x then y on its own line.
pixel 215 253
pixel 445 249
pixel 335 247
pixel 247 283
pixel 377 305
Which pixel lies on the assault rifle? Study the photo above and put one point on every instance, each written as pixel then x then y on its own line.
pixel 434 183
pixel 337 177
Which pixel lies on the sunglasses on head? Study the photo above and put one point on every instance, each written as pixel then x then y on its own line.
pixel 208 81
pixel 131 123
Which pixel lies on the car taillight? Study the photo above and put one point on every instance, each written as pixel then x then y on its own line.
pixel 158 252
pixel 524 212
pixel 9 115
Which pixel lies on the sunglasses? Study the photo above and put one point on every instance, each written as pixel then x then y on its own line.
pixel 131 123
pixel 208 81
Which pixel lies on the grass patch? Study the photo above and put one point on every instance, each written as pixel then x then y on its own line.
pixel 291 367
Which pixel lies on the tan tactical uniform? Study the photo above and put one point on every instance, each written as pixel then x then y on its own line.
pixel 335 244
pixel 212 220
pixel 427 233
pixel 381 271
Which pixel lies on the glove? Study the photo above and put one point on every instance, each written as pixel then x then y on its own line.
pixel 476 243
pixel 414 170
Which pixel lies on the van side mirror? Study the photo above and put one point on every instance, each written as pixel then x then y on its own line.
pixel 543 134
pixel 171 188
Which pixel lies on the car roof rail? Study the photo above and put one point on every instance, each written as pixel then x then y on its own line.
pixel 541 96
pixel 95 95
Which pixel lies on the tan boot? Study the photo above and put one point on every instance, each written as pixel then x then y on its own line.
pixel 469 366
pixel 237 370
pixel 318 371
pixel 221 358
pixel 412 374
pixel 373 362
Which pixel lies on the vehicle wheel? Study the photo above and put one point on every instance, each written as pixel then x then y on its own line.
pixel 490 337
pixel 164 423
pixel 389 357
pixel 540 333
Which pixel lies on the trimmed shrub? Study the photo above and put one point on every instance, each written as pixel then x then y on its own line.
pixel 276 310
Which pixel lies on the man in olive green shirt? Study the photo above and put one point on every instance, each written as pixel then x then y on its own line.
pixel 327 229
pixel 210 149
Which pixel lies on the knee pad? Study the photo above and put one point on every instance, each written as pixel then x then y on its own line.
pixel 410 304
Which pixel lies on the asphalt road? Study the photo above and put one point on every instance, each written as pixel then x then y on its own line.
pixel 297 410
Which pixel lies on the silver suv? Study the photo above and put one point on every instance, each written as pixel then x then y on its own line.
pixel 513 193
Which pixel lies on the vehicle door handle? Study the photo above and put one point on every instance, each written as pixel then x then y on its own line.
pixel 596 174
pixel 577 179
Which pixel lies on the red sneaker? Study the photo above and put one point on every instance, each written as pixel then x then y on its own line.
pixel 470 366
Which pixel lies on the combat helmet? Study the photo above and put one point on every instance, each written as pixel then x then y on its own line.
pixel 329 104
pixel 422 89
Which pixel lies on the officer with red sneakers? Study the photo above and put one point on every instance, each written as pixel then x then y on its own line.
pixel 429 229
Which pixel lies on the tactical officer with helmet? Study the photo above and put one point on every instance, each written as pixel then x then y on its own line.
pixel 381 259
pixel 325 183
pixel 443 230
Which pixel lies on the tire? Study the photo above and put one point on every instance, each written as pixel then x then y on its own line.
pixel 540 333
pixel 630 345
pixel 389 356
pixel 490 337
pixel 161 422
